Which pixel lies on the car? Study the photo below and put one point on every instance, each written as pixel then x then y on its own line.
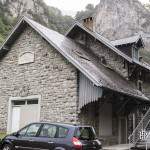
pixel 52 136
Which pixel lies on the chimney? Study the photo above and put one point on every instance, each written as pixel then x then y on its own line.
pixel 89 23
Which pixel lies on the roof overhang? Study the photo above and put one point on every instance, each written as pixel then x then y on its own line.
pixel 138 40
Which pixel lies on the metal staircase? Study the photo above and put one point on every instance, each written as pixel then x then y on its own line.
pixel 139 131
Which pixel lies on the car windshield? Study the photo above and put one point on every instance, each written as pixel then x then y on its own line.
pixel 85 133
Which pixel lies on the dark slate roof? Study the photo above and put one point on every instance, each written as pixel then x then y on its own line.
pixel 100 75
pixel 109 44
pixel 98 37
pixel 129 40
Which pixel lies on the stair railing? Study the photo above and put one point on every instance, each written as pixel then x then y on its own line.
pixel 137 134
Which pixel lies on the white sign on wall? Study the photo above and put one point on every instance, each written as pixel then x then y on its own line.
pixel 26 57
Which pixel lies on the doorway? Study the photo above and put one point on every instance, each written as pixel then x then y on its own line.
pixel 21 112
pixel 122 130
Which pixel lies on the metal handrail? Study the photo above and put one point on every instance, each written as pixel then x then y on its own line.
pixel 146 139
pixel 135 136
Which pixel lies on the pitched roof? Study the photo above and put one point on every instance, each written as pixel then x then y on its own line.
pixel 100 75
pixel 129 40
pixel 99 38
pixel 109 44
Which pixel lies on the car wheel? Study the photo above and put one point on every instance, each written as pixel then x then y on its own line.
pixel 6 147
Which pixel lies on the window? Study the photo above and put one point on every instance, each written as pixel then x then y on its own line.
pixel 32 130
pixel 31 102
pixel 62 132
pixel 18 102
pixel 135 53
pixel 25 102
pixel 85 133
pixel 139 85
pixel 48 131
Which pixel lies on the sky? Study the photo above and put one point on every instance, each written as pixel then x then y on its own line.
pixel 70 7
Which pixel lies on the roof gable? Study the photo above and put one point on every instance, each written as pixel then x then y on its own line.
pixel 57 40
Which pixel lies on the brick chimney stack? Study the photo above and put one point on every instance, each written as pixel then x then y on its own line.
pixel 89 23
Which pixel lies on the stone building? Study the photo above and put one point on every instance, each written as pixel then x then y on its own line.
pixel 79 78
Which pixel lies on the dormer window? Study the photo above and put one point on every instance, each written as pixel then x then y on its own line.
pixel 135 53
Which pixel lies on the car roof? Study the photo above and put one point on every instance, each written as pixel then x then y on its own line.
pixel 67 125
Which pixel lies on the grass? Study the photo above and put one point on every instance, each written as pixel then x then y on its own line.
pixel 2 135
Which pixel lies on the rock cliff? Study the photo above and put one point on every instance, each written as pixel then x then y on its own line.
pixel 11 10
pixel 117 19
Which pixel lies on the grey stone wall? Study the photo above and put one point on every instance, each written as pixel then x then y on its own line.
pixel 50 76
pixel 89 115
pixel 92 115
pixel 113 60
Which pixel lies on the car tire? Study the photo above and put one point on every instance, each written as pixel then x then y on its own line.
pixel 7 147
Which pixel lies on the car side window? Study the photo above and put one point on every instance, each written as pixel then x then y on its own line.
pixel 23 131
pixel 32 130
pixel 48 131
pixel 62 132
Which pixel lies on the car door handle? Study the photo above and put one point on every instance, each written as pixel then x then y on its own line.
pixel 50 142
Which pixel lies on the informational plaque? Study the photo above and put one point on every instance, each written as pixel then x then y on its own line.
pixel 26 57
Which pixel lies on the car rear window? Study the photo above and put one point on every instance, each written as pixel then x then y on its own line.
pixel 85 133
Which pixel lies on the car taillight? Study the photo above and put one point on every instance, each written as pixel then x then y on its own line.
pixel 77 144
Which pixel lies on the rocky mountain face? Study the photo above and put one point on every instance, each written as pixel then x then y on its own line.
pixel 122 18
pixel 11 10
pixel 117 19
pixel 16 8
